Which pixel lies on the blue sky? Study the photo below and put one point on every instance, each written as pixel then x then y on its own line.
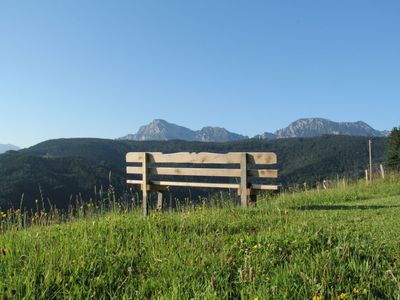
pixel 103 68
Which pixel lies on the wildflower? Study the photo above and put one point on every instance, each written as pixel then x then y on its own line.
pixel 256 298
pixel 255 247
pixel 356 291
pixel 343 296
pixel 317 297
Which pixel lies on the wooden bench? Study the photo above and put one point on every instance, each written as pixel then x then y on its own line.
pixel 216 170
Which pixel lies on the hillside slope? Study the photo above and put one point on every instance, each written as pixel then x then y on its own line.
pixel 340 243
pixel 59 170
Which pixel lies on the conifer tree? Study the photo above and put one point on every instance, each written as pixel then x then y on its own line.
pixel 393 152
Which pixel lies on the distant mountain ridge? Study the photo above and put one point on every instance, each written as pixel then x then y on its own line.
pixel 313 127
pixel 307 127
pixel 7 147
pixel 161 130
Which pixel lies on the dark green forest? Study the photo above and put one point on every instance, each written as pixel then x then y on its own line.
pixel 59 171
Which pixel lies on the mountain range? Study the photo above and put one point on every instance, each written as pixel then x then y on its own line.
pixel 7 147
pixel 161 130
pixel 308 127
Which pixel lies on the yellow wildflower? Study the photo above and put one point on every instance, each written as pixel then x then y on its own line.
pixel 343 296
pixel 317 297
pixel 256 298
pixel 356 291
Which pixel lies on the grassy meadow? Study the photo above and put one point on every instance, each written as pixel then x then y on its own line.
pixel 340 243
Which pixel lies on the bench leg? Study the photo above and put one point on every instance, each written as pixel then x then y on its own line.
pixel 159 200
pixel 145 203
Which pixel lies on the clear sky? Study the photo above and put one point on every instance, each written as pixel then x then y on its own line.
pixel 103 68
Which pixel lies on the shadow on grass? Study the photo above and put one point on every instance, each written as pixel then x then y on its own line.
pixel 342 207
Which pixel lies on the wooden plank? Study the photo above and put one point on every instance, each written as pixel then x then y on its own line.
pixel 196 184
pixel 134 157
pixel 145 180
pixel 264 173
pixel 203 172
pixel 186 157
pixel 264 187
pixel 134 170
pixel 195 158
pixel 129 181
pixel 244 200
pixel 195 172
pixel 262 158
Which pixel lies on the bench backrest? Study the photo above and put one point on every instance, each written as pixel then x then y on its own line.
pixel 216 169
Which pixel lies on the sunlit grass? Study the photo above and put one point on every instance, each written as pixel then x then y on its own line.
pixel 340 243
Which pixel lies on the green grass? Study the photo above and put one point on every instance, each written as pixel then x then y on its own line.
pixel 342 242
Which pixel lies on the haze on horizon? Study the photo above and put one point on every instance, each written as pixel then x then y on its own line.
pixel 103 69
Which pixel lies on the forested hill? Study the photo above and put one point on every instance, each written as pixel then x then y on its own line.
pixel 59 170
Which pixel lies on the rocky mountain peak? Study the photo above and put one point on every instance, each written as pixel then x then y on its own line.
pixel 310 127
pixel 160 129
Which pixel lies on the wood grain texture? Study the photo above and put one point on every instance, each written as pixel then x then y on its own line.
pixel 145 180
pixel 243 180
pixel 196 184
pixel 213 172
pixel 264 158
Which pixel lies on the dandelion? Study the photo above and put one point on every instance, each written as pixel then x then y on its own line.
pixel 317 297
pixel 343 296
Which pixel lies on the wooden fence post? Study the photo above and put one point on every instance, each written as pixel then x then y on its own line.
pixel 145 169
pixel 243 180
pixel 382 171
